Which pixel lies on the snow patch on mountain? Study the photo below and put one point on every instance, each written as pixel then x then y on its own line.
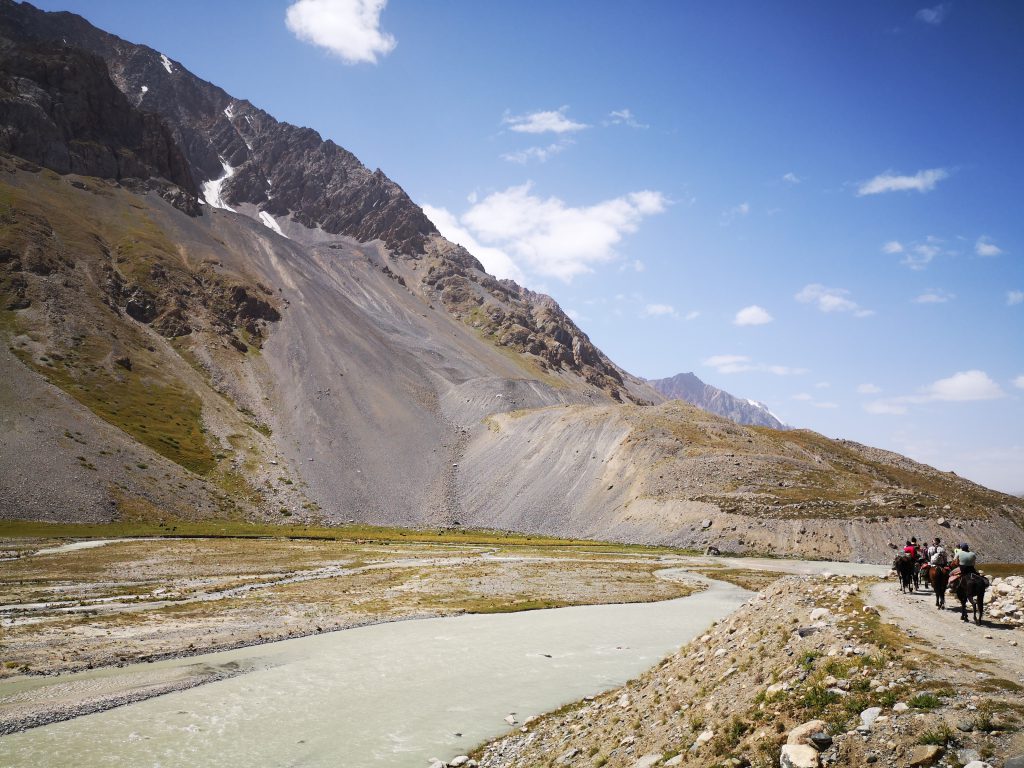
pixel 270 223
pixel 213 188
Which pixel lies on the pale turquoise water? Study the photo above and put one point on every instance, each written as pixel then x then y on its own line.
pixel 388 695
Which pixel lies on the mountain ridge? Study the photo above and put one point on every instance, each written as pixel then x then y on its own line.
pixel 688 387
pixel 170 362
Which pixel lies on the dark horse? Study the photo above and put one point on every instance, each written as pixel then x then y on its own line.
pixel 904 567
pixel 972 588
pixel 938 575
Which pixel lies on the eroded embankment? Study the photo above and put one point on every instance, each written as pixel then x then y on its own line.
pixel 804 673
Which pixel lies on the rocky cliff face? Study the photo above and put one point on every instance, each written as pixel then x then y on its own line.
pixel 686 386
pixel 59 108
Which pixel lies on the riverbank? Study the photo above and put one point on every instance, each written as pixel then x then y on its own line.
pixel 807 656
pixel 82 607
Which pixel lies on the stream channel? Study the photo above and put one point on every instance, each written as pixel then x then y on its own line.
pixel 392 694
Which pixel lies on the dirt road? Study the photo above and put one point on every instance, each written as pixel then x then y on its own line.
pixel 916 613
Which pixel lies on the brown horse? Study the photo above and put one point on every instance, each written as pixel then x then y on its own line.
pixel 904 567
pixel 938 576
pixel 971 588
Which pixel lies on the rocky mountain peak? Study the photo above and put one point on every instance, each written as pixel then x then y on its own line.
pixel 688 387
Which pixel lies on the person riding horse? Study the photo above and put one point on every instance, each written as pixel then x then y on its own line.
pixel 968 585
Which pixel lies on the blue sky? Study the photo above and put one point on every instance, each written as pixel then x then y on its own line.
pixel 816 205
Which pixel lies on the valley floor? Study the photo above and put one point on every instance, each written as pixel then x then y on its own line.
pixel 76 607
pixel 820 643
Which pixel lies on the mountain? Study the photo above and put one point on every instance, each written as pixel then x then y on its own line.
pixel 686 386
pixel 207 313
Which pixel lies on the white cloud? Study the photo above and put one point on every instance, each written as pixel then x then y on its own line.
pixel 624 117
pixel 893 246
pixel 868 389
pixel 693 314
pixel 934 296
pixel 831 300
pixel 1019 382
pixel 350 29
pixel 752 315
pixel 546 237
pixel 922 181
pixel 743 364
pixel 540 154
pixel 985 247
pixel 964 386
pixel 935 15
pixel 822 385
pixel 552 121
pixel 803 397
pixel 825 405
pixel 791 178
pixel 961 387
pixel 659 310
pixel 495 260
pixel 1014 297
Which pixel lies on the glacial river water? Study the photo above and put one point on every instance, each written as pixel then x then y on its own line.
pixel 388 695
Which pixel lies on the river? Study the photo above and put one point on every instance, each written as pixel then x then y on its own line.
pixel 392 694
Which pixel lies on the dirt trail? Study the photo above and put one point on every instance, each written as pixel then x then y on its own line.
pixel 916 614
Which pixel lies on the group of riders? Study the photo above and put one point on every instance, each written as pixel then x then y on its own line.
pixel 932 565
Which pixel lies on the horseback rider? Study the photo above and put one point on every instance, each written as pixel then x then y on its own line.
pixel 910 549
pixel 937 553
pixel 966 559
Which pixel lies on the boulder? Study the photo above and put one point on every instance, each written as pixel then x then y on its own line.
pixel 868 717
pixel 924 754
pixel 455 762
pixel 820 613
pixel 802 733
pixel 799 756
pixel 648 761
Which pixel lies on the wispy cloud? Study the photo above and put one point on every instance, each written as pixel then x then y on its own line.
pixel 934 15
pixel 1019 382
pixel 985 247
pixel 349 29
pixel 916 255
pixel 659 310
pixel 624 117
pixel 791 178
pixel 546 236
pixel 922 181
pixel 735 212
pixel 802 397
pixel 752 315
pixel 693 314
pixel 868 389
pixel 831 300
pixel 552 121
pixel 961 387
pixel 540 154
pixel 934 296
pixel 1014 297
pixel 744 364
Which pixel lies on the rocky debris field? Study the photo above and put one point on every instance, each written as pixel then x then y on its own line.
pixel 1006 600
pixel 806 674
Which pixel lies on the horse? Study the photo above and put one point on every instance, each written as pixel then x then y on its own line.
pixel 939 577
pixel 972 588
pixel 904 567
pixel 921 572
